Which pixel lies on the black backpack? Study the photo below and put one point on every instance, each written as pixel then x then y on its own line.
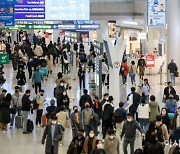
pixel 153 148
pixel 30 126
pixel 159 132
pixel 118 116
pixel 106 114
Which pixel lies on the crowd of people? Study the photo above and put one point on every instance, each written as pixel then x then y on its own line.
pixel 92 117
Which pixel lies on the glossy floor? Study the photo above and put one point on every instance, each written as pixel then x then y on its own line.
pixel 14 142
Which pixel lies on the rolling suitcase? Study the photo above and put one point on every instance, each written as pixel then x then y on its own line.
pixel 30 126
pixel 44 120
pixel 18 122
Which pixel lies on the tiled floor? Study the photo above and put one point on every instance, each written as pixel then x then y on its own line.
pixel 14 142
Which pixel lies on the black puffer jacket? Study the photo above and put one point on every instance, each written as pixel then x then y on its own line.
pixel 5 111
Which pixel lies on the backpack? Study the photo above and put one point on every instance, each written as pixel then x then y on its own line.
pixel 153 148
pixel 106 114
pixel 118 116
pixel 159 132
pixel 35 104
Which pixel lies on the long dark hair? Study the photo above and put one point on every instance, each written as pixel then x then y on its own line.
pixel 8 97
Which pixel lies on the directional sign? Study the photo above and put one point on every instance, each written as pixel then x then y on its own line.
pixel 7 13
pixel 56 27
pixel 4 59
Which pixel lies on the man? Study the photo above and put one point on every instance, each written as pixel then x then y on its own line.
pixel 51 110
pixel 129 133
pixel 119 117
pixel 171 104
pixel 58 92
pixel 38 51
pixel 91 47
pixel 142 65
pixel 3 94
pixel 111 143
pixel 163 130
pixel 172 67
pixel 107 118
pixel 53 135
pixel 85 98
pixel 26 106
pixel 86 117
pixel 169 90
pixel 37 79
pixel 16 103
pixel 39 100
pixel 134 98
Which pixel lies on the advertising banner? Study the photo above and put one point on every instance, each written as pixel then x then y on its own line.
pixel 7 13
pixel 156 12
pixel 150 61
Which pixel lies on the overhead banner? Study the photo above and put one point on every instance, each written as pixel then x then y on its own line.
pixel 52 10
pixel 7 13
pixel 55 26
pixel 157 12
pixel 150 61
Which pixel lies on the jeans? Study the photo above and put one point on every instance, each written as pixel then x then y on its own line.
pixel 39 116
pixel 87 129
pixel 12 119
pixel 147 98
pixel 125 144
pixel 37 85
pixel 172 77
pixel 133 80
pixel 124 78
pixel 119 127
pixel 144 123
pixel 25 118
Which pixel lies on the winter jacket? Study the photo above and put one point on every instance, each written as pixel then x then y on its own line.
pixel 26 103
pixel 37 77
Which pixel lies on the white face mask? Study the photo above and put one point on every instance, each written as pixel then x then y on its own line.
pixel 111 137
pixel 62 84
pixel 129 120
pixel 53 122
pixel 99 146
pixel 164 113
pixel 64 94
pixel 91 135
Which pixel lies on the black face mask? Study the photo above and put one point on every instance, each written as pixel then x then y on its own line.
pixel 42 94
pixel 76 110
pixel 16 91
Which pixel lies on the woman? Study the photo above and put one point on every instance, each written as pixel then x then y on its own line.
pixel 143 114
pixel 5 112
pixel 99 148
pixel 59 78
pixel 76 121
pixel 63 119
pixel 97 106
pixel 65 100
pixel 49 59
pixel 165 118
pixel 149 131
pixel 154 109
pixel 65 62
pixel 81 74
pixel 21 78
pixel 132 72
pixel 89 143
pixel 124 71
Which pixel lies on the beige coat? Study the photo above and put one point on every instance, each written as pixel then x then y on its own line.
pixel 38 50
pixel 49 63
pixel 133 69
pixel 164 130
pixel 62 118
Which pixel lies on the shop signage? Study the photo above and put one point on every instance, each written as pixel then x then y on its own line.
pixel 142 36
pixel 4 59
pixel 156 12
pixel 55 26
pixel 7 13
pixel 150 61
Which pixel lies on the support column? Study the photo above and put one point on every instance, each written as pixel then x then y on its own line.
pixel 173 22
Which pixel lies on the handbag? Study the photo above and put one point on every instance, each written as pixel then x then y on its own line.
pixel 65 61
pixel 176 74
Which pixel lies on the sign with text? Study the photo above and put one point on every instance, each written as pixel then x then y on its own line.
pixel 156 12
pixel 7 13
pixel 52 10
pixel 150 61
pixel 4 59
pixel 55 26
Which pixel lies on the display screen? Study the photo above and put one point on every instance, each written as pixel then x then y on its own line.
pixel 52 10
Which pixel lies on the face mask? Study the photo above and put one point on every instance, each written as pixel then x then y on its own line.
pixel 61 84
pixel 99 146
pixel 16 91
pixel 91 135
pixel 87 106
pixel 53 122
pixel 106 98
pixel 129 120
pixel 76 110
pixel 170 97
pixel 64 94
pixel 42 94
pixel 111 137
pixel 164 113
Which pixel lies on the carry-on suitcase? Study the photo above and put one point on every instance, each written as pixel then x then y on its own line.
pixel 44 120
pixel 30 126
pixel 18 122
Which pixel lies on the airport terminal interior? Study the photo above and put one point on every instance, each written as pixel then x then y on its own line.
pixel 89 76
